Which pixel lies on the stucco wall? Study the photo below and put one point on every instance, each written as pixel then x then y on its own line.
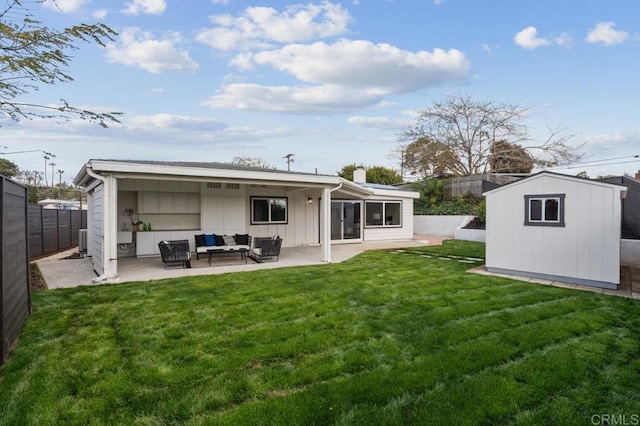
pixel 439 226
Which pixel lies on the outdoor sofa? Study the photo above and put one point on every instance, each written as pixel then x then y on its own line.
pixel 205 243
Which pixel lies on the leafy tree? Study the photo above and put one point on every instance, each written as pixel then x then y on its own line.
pixel 32 55
pixel 8 168
pixel 374 174
pixel 252 162
pixel 510 158
pixel 426 158
pixel 457 136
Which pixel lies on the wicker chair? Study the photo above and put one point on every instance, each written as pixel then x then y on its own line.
pixel 175 252
pixel 266 249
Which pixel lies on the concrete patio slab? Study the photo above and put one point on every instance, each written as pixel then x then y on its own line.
pixel 61 272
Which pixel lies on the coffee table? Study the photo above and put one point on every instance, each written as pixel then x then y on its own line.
pixel 242 251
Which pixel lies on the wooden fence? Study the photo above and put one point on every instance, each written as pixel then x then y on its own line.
pixel 52 230
pixel 15 293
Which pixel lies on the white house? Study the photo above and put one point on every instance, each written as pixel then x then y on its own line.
pixel 556 227
pixel 178 200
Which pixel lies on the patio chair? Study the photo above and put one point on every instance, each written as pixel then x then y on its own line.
pixel 175 252
pixel 266 249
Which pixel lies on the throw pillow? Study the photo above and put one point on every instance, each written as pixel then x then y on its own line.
pixel 228 240
pixel 242 239
pixel 200 240
pixel 209 240
pixel 219 240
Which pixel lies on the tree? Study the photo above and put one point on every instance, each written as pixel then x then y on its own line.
pixel 457 136
pixel 427 158
pixel 510 158
pixel 374 174
pixel 8 168
pixel 252 162
pixel 32 54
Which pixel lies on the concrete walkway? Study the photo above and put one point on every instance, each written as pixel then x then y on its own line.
pixel 59 272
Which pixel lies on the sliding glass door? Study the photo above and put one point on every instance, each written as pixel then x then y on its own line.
pixel 346 220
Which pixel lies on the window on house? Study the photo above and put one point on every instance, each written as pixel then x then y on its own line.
pixel 544 210
pixel 382 213
pixel 268 210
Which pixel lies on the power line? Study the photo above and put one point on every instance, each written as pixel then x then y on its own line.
pixel 580 166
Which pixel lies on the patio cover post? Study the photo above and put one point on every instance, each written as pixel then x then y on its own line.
pixel 326 225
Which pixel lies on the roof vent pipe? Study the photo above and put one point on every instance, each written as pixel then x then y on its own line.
pixel 360 175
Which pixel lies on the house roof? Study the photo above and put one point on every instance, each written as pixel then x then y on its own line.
pixel 224 171
pixel 544 173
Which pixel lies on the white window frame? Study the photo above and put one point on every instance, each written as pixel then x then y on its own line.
pixel 384 211
pixel 269 200
pixel 543 221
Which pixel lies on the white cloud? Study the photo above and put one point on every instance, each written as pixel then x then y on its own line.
pixel 164 122
pixel 262 26
pixel 291 100
pixel 100 14
pixel 65 6
pixel 528 39
pixel 563 39
pixel 379 123
pixel 339 77
pixel 605 34
pixel 147 7
pixel 157 90
pixel 376 69
pixel 222 2
pixel 138 49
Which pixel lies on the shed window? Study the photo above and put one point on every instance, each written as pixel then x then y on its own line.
pixel 544 210
pixel 382 213
pixel 265 210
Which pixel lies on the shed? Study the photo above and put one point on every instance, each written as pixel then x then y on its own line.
pixel 556 227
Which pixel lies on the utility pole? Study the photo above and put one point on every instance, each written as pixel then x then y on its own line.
pixel 46 157
pixel 52 177
pixel 289 158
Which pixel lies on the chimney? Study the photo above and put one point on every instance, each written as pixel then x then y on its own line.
pixel 360 175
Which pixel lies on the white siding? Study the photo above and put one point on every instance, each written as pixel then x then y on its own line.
pixel 97 214
pixel 404 232
pixel 586 248
pixel 303 226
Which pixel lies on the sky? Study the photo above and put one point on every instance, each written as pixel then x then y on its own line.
pixel 333 83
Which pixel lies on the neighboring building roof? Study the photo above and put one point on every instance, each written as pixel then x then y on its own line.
pixel 557 175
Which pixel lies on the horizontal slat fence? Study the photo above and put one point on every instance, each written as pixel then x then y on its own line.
pixel 15 293
pixel 52 230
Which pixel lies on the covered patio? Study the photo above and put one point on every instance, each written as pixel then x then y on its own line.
pixel 60 271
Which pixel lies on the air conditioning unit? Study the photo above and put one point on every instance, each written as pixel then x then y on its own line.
pixel 82 241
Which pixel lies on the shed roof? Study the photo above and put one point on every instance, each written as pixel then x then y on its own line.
pixel 546 173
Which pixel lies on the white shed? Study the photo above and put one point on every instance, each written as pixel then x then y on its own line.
pixel 556 227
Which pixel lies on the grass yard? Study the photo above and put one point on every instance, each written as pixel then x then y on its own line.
pixel 386 338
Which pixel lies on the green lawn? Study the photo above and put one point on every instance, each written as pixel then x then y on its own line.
pixel 386 338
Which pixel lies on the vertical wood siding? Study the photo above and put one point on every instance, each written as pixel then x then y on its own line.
pixel 588 247
pixel 98 229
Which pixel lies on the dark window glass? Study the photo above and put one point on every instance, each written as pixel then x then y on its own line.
pixel 260 210
pixel 392 214
pixel 278 210
pixel 551 210
pixel 535 210
pixel 374 214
